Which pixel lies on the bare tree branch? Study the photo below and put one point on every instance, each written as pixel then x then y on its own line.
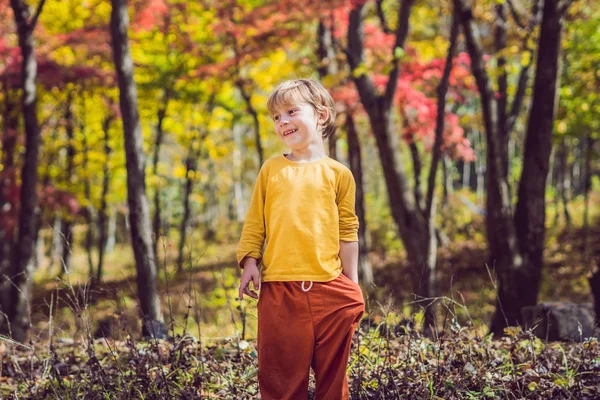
pixel 515 14
pixel 488 105
pixel 36 16
pixel 502 93
pixel 326 50
pixel 564 5
pixel 355 56
pixel 401 34
pixel 381 16
pixel 247 96
pixel 442 90
pixel 517 102
pixel 416 159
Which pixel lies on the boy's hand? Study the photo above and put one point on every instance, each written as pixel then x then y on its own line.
pixel 250 273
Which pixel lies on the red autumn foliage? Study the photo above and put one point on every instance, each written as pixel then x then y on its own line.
pixel 262 29
pixel 151 14
pixel 51 200
pixel 52 74
pixel 416 96
pixel 416 102
pixel 54 200
pixel 91 40
pixel 94 40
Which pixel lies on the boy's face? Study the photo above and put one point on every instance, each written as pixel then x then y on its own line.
pixel 298 125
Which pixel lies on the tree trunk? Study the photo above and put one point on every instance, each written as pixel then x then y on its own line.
pixel 111 238
pixel 587 186
pixel 520 285
pixel 66 235
pixel 551 169
pixel 8 181
pixel 466 175
pixel 566 192
pixel 332 145
pixel 327 67
pixel 10 118
pixel 255 121
pixel 448 182
pixel 576 169
pixel 211 205
pixel 123 231
pixel 507 250
pixel 139 215
pixel 15 300
pixel 190 169
pixel 413 228
pixel 39 252
pixel 53 249
pixel 510 156
pixel 326 50
pixel 67 222
pixel 102 213
pixel 416 162
pixel 558 182
pixel 354 156
pixel 502 240
pixel 430 203
pixel 501 95
pixel 480 169
pixel 594 282
pixel 561 178
pixel 238 189
pixel 156 220
pixel 90 212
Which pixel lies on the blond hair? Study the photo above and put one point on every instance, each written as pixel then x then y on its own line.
pixel 305 91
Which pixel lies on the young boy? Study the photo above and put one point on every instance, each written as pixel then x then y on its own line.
pixel 303 207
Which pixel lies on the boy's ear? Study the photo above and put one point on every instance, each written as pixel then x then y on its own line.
pixel 323 115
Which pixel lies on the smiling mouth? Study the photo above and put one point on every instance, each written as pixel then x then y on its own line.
pixel 287 133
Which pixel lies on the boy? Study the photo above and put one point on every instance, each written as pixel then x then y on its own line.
pixel 303 207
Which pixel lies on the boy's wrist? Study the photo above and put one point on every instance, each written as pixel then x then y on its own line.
pixel 249 261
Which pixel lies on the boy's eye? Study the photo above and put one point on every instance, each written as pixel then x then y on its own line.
pixel 276 118
pixel 291 111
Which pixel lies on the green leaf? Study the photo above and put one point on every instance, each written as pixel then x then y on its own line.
pixel 399 53
pixel 359 71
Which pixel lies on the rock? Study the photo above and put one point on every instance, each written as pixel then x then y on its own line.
pixel 594 282
pixel 62 369
pixel 155 330
pixel 561 321
pixel 66 341
pixel 105 328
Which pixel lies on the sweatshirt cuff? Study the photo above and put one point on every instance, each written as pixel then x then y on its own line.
pixel 349 237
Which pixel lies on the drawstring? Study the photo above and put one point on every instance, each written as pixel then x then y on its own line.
pixel 305 289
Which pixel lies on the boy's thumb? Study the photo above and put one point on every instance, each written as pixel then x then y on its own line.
pixel 256 282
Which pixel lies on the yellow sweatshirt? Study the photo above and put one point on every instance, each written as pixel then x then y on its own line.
pixel 301 211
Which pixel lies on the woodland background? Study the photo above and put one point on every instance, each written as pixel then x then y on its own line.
pixel 132 133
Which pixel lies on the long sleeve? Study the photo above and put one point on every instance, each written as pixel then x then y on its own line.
pixel 345 199
pixel 300 212
pixel 253 233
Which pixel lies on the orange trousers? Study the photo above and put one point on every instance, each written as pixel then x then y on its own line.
pixel 300 328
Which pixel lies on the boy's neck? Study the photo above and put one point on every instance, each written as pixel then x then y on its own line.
pixel 312 152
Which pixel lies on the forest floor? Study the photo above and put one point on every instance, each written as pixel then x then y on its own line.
pixel 213 353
